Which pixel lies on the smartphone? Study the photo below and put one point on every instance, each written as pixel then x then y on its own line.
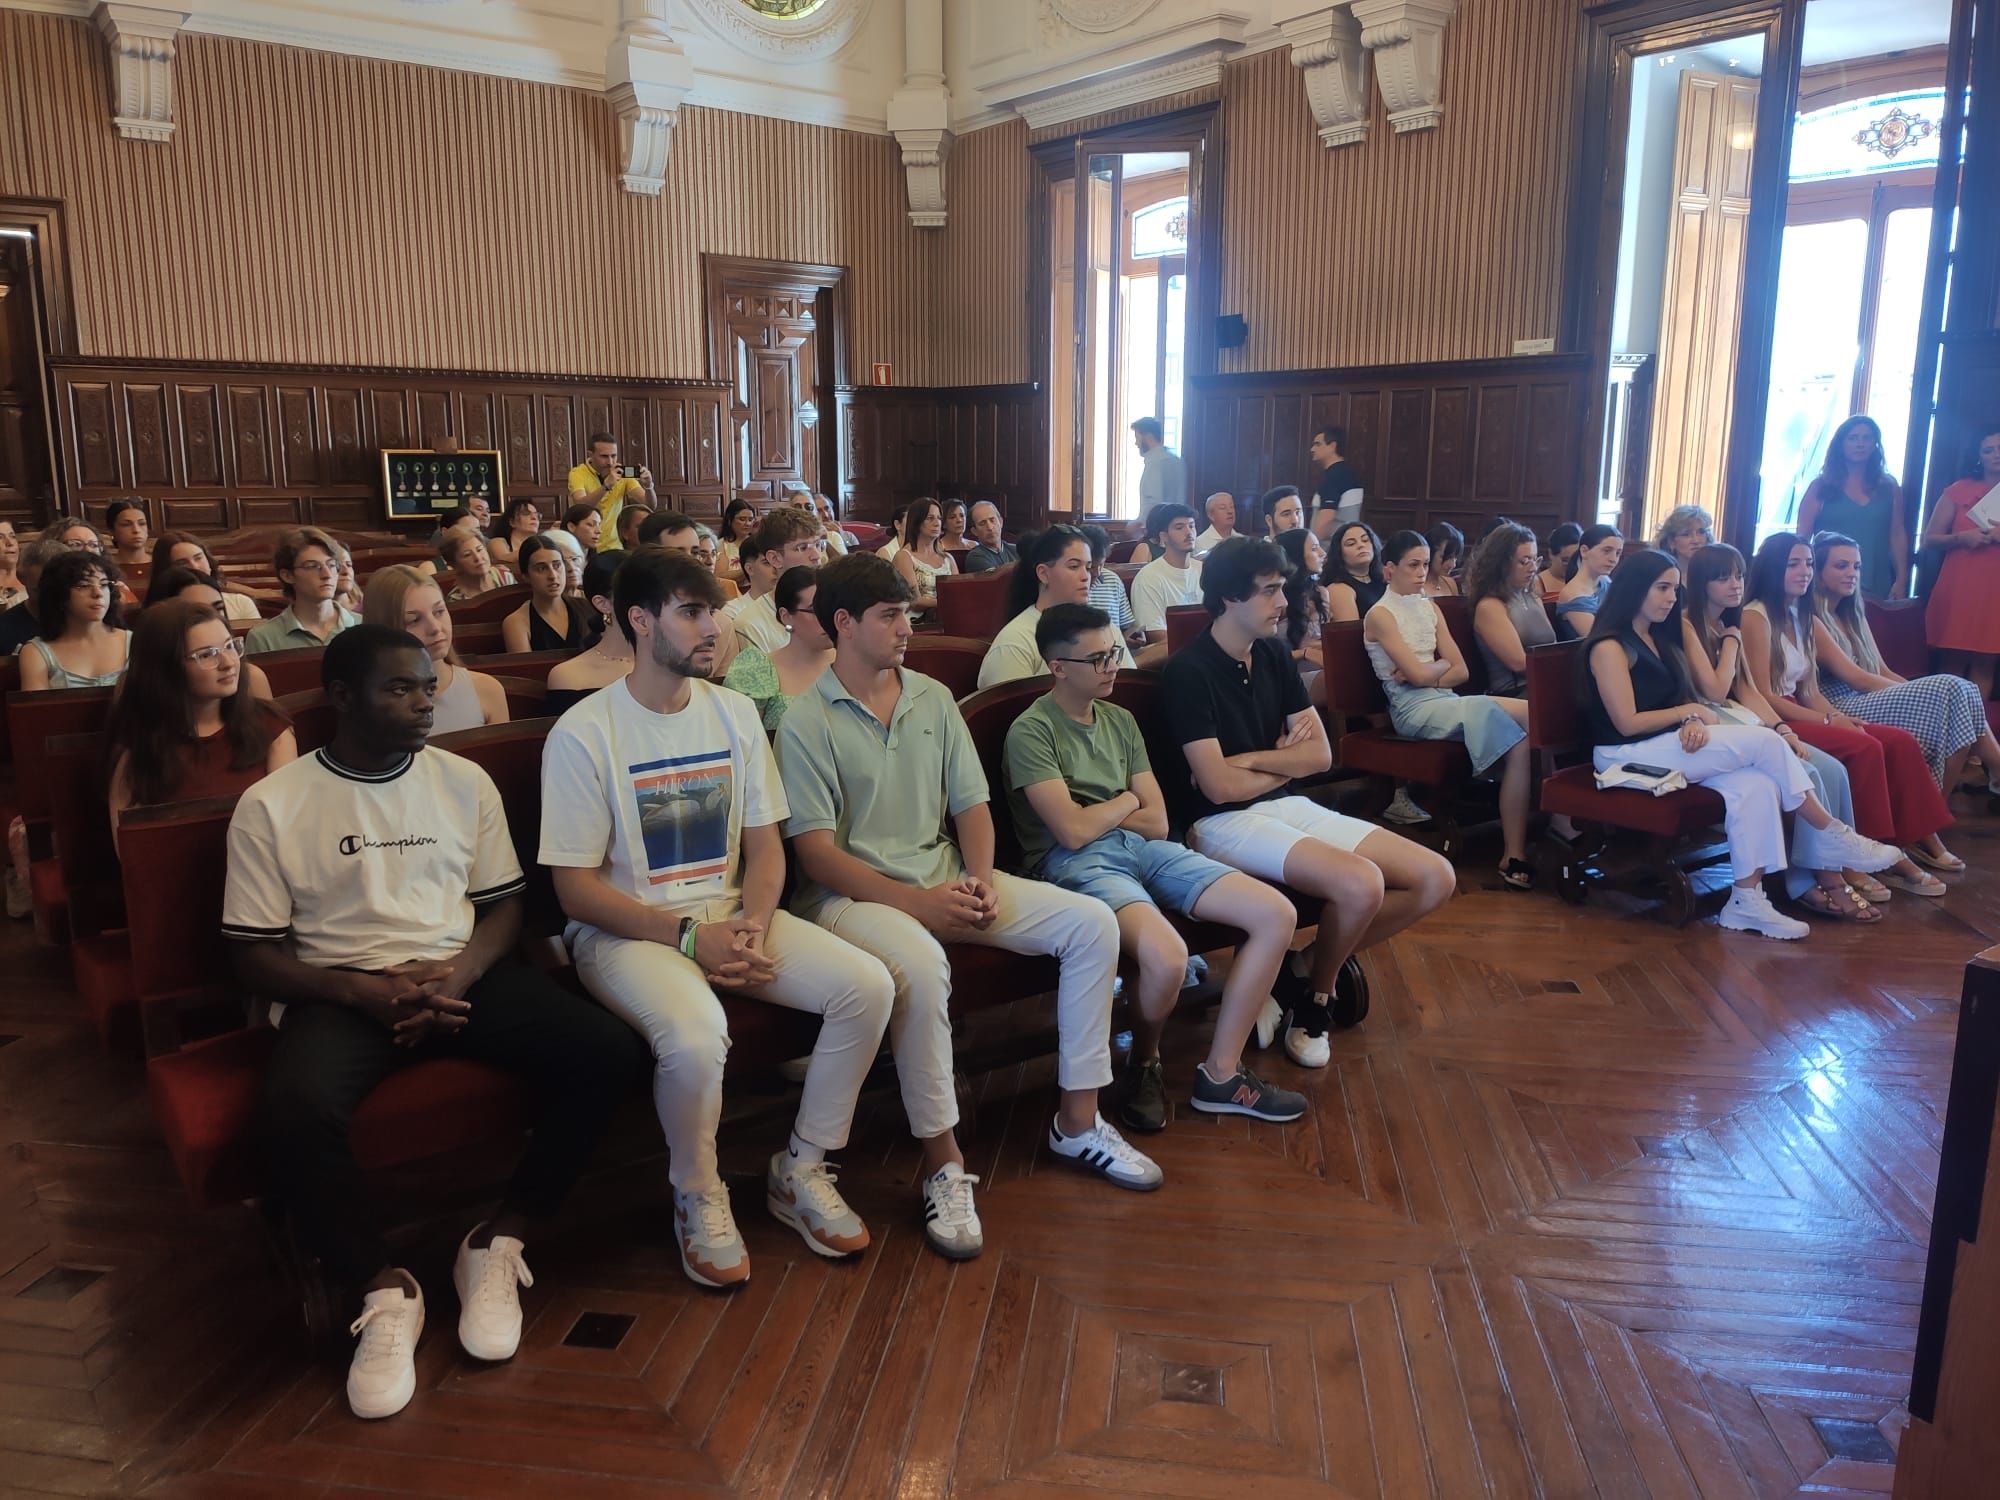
pixel 630 471
pixel 1732 617
pixel 1644 770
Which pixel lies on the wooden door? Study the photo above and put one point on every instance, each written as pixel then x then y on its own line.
pixel 773 335
pixel 27 493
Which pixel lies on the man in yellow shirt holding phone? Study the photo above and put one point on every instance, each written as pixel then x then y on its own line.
pixel 600 480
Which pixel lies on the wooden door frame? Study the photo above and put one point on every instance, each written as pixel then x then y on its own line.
pixel 826 288
pixel 55 318
pixel 1618 33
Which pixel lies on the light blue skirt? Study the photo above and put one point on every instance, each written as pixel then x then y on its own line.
pixel 1487 730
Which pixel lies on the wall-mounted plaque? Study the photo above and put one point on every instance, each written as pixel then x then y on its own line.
pixel 419 483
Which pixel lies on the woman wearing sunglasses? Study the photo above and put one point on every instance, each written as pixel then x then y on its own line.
pixel 183 727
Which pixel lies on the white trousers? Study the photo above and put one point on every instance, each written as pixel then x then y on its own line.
pixel 1080 932
pixel 666 999
pixel 1754 771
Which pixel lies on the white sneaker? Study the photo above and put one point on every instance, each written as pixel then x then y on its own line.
pixel 1309 1049
pixel 802 1195
pixel 1402 810
pixel 489 1299
pixel 1269 1019
pixel 382 1376
pixel 1101 1149
pixel 712 1251
pixel 1841 848
pixel 1750 910
pixel 951 1223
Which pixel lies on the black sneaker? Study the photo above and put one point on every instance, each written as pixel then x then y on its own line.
pixel 1145 1108
pixel 1244 1093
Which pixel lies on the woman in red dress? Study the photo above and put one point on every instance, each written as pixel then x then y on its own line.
pixel 1962 619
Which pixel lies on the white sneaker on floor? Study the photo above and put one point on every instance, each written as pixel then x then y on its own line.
pixel 1844 849
pixel 382 1376
pixel 712 1250
pixel 802 1195
pixel 1750 910
pixel 1402 810
pixel 489 1296
pixel 951 1223
pixel 1269 1019
pixel 1101 1149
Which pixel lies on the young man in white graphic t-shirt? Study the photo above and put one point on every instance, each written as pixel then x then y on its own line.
pixel 660 820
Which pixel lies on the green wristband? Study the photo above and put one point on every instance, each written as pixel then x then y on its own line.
pixel 688 930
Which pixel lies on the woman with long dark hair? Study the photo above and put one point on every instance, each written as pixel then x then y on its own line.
pixel 1895 797
pixel 185 726
pixel 1640 707
pixel 739 519
pixel 1597 554
pixel 1413 652
pixel 922 559
pixel 551 618
pixel 1054 569
pixel 183 549
pixel 586 524
pixel 1962 616
pixel 1561 560
pixel 1353 572
pixel 1446 545
pixel 1507 617
pixel 84 642
pixel 521 520
pixel 1856 496
pixel 1306 611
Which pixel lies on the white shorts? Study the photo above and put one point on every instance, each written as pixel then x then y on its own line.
pixel 1258 839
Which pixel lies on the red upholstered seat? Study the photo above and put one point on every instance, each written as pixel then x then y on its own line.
pixel 952 659
pixel 974 604
pixel 1898 629
pixel 1354 692
pixel 494 605
pixel 526 664
pixel 290 671
pixel 1574 791
pixel 1185 622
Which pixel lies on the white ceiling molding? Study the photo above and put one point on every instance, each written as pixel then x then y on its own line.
pixel 820 33
pixel 141 39
pixel 646 76
pixel 1095 16
pixel 1326 49
pixel 1050 84
pixel 1407 39
pixel 920 112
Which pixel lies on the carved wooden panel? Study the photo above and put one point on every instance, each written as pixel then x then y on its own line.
pixel 1551 442
pixel 517 441
pixel 346 514
pixel 1451 420
pixel 975 443
pixel 637 433
pixel 475 425
pixel 433 418
pixel 200 410
pixel 271 512
pixel 594 415
pixel 704 425
pixel 389 410
pixel 298 435
pixel 93 433
pixel 250 436
pixel 194 515
pixel 1366 417
pixel 349 461
pixel 561 447
pixel 669 446
pixel 1495 461
pixel 146 424
pixel 1405 473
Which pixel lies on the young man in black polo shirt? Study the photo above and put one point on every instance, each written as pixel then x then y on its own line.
pixel 1239 712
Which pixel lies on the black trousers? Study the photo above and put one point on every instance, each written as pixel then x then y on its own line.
pixel 577 1058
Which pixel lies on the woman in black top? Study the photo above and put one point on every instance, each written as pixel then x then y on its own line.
pixel 550 620
pixel 1353 574
pixel 1639 709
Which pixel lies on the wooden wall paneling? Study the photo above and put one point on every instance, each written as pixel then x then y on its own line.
pixel 517 441
pixel 195 515
pixel 258 511
pixel 561 448
pixel 705 426
pixel 198 405
pixel 631 419
pixel 1496 451
pixel 150 454
pixel 298 435
pixel 1548 444
pixel 389 418
pixel 594 416
pixel 433 411
pixel 1405 474
pixel 343 436
pixel 474 425
pixel 668 418
pixel 1451 418
pixel 249 437
pixel 91 433
pixel 972 443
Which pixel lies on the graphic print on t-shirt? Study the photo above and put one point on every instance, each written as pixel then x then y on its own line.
pixel 683 806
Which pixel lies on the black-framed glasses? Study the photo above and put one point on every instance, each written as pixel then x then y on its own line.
pixel 1103 661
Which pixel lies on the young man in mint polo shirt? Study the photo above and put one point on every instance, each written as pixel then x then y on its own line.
pixel 1091 818
pixel 875 759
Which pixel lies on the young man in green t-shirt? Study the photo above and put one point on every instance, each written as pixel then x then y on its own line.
pixel 1091 818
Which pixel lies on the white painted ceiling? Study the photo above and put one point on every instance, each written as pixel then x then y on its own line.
pixel 1840 29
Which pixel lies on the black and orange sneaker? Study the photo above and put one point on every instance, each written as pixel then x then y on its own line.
pixel 1244 1093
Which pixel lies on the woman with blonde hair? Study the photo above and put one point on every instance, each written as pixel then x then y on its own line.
pixel 1685 531
pixel 405 599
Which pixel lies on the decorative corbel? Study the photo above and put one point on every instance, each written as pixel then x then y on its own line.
pixel 1326 48
pixel 141 38
pixel 646 77
pixel 1407 38
pixel 920 112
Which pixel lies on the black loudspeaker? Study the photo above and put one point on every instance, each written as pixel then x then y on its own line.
pixel 1231 332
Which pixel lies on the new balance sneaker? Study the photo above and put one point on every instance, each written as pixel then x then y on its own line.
pixel 1402 810
pixel 1750 910
pixel 951 1223
pixel 1244 1093
pixel 382 1376
pixel 489 1297
pixel 1101 1149
pixel 802 1194
pixel 712 1251
pixel 1145 1108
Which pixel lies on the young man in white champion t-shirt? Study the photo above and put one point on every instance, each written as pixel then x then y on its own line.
pixel 660 816
pixel 374 899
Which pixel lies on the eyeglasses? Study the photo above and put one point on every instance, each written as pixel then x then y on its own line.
pixel 1103 661
pixel 91 544
pixel 209 656
pixel 313 565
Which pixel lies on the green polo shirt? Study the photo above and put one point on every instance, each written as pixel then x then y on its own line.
pixel 885 792
pixel 283 632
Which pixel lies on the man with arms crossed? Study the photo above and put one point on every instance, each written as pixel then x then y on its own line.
pixel 1091 819
pixel 1238 710
pixel 875 759
pixel 374 900
pixel 660 813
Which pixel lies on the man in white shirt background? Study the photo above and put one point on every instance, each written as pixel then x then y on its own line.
pixel 1162 474
pixel 1174 577
pixel 1221 509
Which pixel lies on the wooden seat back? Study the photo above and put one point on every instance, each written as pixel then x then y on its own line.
pixel 33 718
pixel 1185 623
pixel 1353 691
pixel 368 559
pixel 175 866
pixel 1119 555
pixel 493 605
pixel 10 683
pixel 1457 613
pixel 312 716
pixel 1898 629
pixel 989 714
pixel 952 659
pixel 527 697
pixel 290 671
pixel 80 820
pixel 973 604
pixel 512 755
pixel 535 665
pixel 1555 721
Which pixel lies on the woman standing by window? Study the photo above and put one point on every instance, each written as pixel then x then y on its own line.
pixel 1855 496
pixel 1962 619
pixel 1685 531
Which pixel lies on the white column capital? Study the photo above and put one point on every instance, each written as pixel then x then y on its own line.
pixel 141 37
pixel 920 112
pixel 646 76
pixel 1407 39
pixel 1327 50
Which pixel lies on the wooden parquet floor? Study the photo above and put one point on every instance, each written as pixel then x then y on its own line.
pixel 1588 1207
